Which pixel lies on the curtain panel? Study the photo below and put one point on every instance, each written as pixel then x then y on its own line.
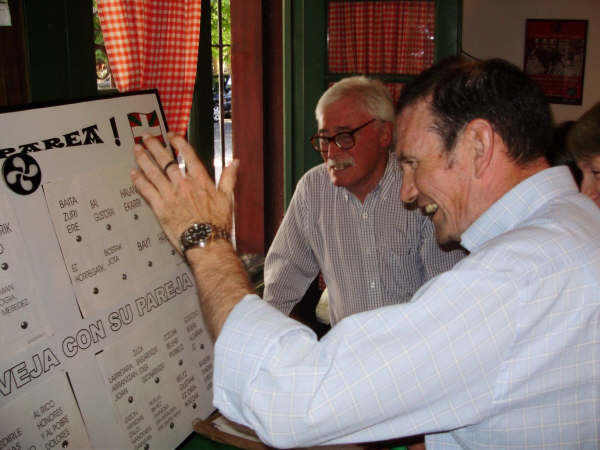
pixel 154 44
pixel 381 37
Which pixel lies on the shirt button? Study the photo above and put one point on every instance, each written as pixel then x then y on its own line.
pixel 365 215
pixel 372 285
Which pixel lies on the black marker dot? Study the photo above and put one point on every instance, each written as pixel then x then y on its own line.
pixel 149 263
pixel 156 380
pixel 95 290
pixel 135 217
pixel 171 425
pixel 201 346
pixel 65 444
pixel 181 362
pixel 194 406
pixel 78 238
pixel 172 251
pixel 4 266
pixel 108 227
pixel 124 276
pixel 24 325
pixel 146 447
pixel 130 399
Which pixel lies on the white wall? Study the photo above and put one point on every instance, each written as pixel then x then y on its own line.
pixel 496 28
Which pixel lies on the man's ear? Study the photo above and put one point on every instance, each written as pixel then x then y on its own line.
pixel 479 135
pixel 386 135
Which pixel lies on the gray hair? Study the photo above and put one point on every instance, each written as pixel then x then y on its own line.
pixel 370 93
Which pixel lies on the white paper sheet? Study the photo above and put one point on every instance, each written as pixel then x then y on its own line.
pixel 47 417
pixel 22 320
pixel 111 242
pixel 157 384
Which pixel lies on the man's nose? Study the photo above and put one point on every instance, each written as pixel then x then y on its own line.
pixel 408 192
pixel 332 149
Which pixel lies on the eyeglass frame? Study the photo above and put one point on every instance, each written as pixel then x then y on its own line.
pixel 334 138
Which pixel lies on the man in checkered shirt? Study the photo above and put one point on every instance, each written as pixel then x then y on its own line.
pixel 500 352
pixel 345 219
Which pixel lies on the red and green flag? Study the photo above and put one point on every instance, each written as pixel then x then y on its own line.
pixel 145 123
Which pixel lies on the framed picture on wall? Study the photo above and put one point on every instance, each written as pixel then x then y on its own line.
pixel 555 57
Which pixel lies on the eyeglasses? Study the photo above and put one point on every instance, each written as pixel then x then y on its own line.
pixel 344 140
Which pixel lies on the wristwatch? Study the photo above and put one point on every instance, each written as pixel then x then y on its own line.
pixel 199 234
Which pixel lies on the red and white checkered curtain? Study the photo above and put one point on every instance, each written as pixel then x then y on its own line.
pixel 395 37
pixel 154 44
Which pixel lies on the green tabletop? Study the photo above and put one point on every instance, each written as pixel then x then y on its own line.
pixel 196 441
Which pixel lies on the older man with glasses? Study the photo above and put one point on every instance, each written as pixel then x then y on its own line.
pixel 345 219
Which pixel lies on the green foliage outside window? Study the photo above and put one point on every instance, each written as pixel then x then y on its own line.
pixel 103 74
pixel 226 33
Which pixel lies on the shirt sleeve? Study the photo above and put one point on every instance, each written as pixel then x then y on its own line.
pixel 290 265
pixel 418 367
pixel 437 259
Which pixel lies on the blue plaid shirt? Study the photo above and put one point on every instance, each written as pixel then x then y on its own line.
pixel 501 352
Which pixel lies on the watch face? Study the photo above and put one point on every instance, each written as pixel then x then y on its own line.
pixel 196 233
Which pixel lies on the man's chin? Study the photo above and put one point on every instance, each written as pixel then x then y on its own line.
pixel 443 237
pixel 442 234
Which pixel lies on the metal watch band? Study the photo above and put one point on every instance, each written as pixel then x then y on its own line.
pixel 199 234
pixel 219 233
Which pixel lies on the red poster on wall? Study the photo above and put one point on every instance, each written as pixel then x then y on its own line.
pixel 555 57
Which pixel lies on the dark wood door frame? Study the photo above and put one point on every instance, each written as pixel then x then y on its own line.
pixel 247 120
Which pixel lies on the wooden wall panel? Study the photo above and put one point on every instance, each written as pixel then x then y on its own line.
pixel 247 119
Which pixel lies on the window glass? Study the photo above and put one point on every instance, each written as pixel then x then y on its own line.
pixel 221 72
pixel 104 77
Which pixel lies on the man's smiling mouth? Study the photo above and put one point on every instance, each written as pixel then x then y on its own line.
pixel 430 208
pixel 339 164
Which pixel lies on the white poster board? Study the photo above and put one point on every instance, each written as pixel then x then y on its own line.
pixel 102 344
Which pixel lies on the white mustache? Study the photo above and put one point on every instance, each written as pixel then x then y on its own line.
pixel 339 164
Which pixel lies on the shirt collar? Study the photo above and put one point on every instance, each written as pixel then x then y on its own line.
pixel 517 205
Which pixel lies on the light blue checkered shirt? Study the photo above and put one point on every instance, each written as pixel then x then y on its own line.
pixel 501 352
pixel 371 254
